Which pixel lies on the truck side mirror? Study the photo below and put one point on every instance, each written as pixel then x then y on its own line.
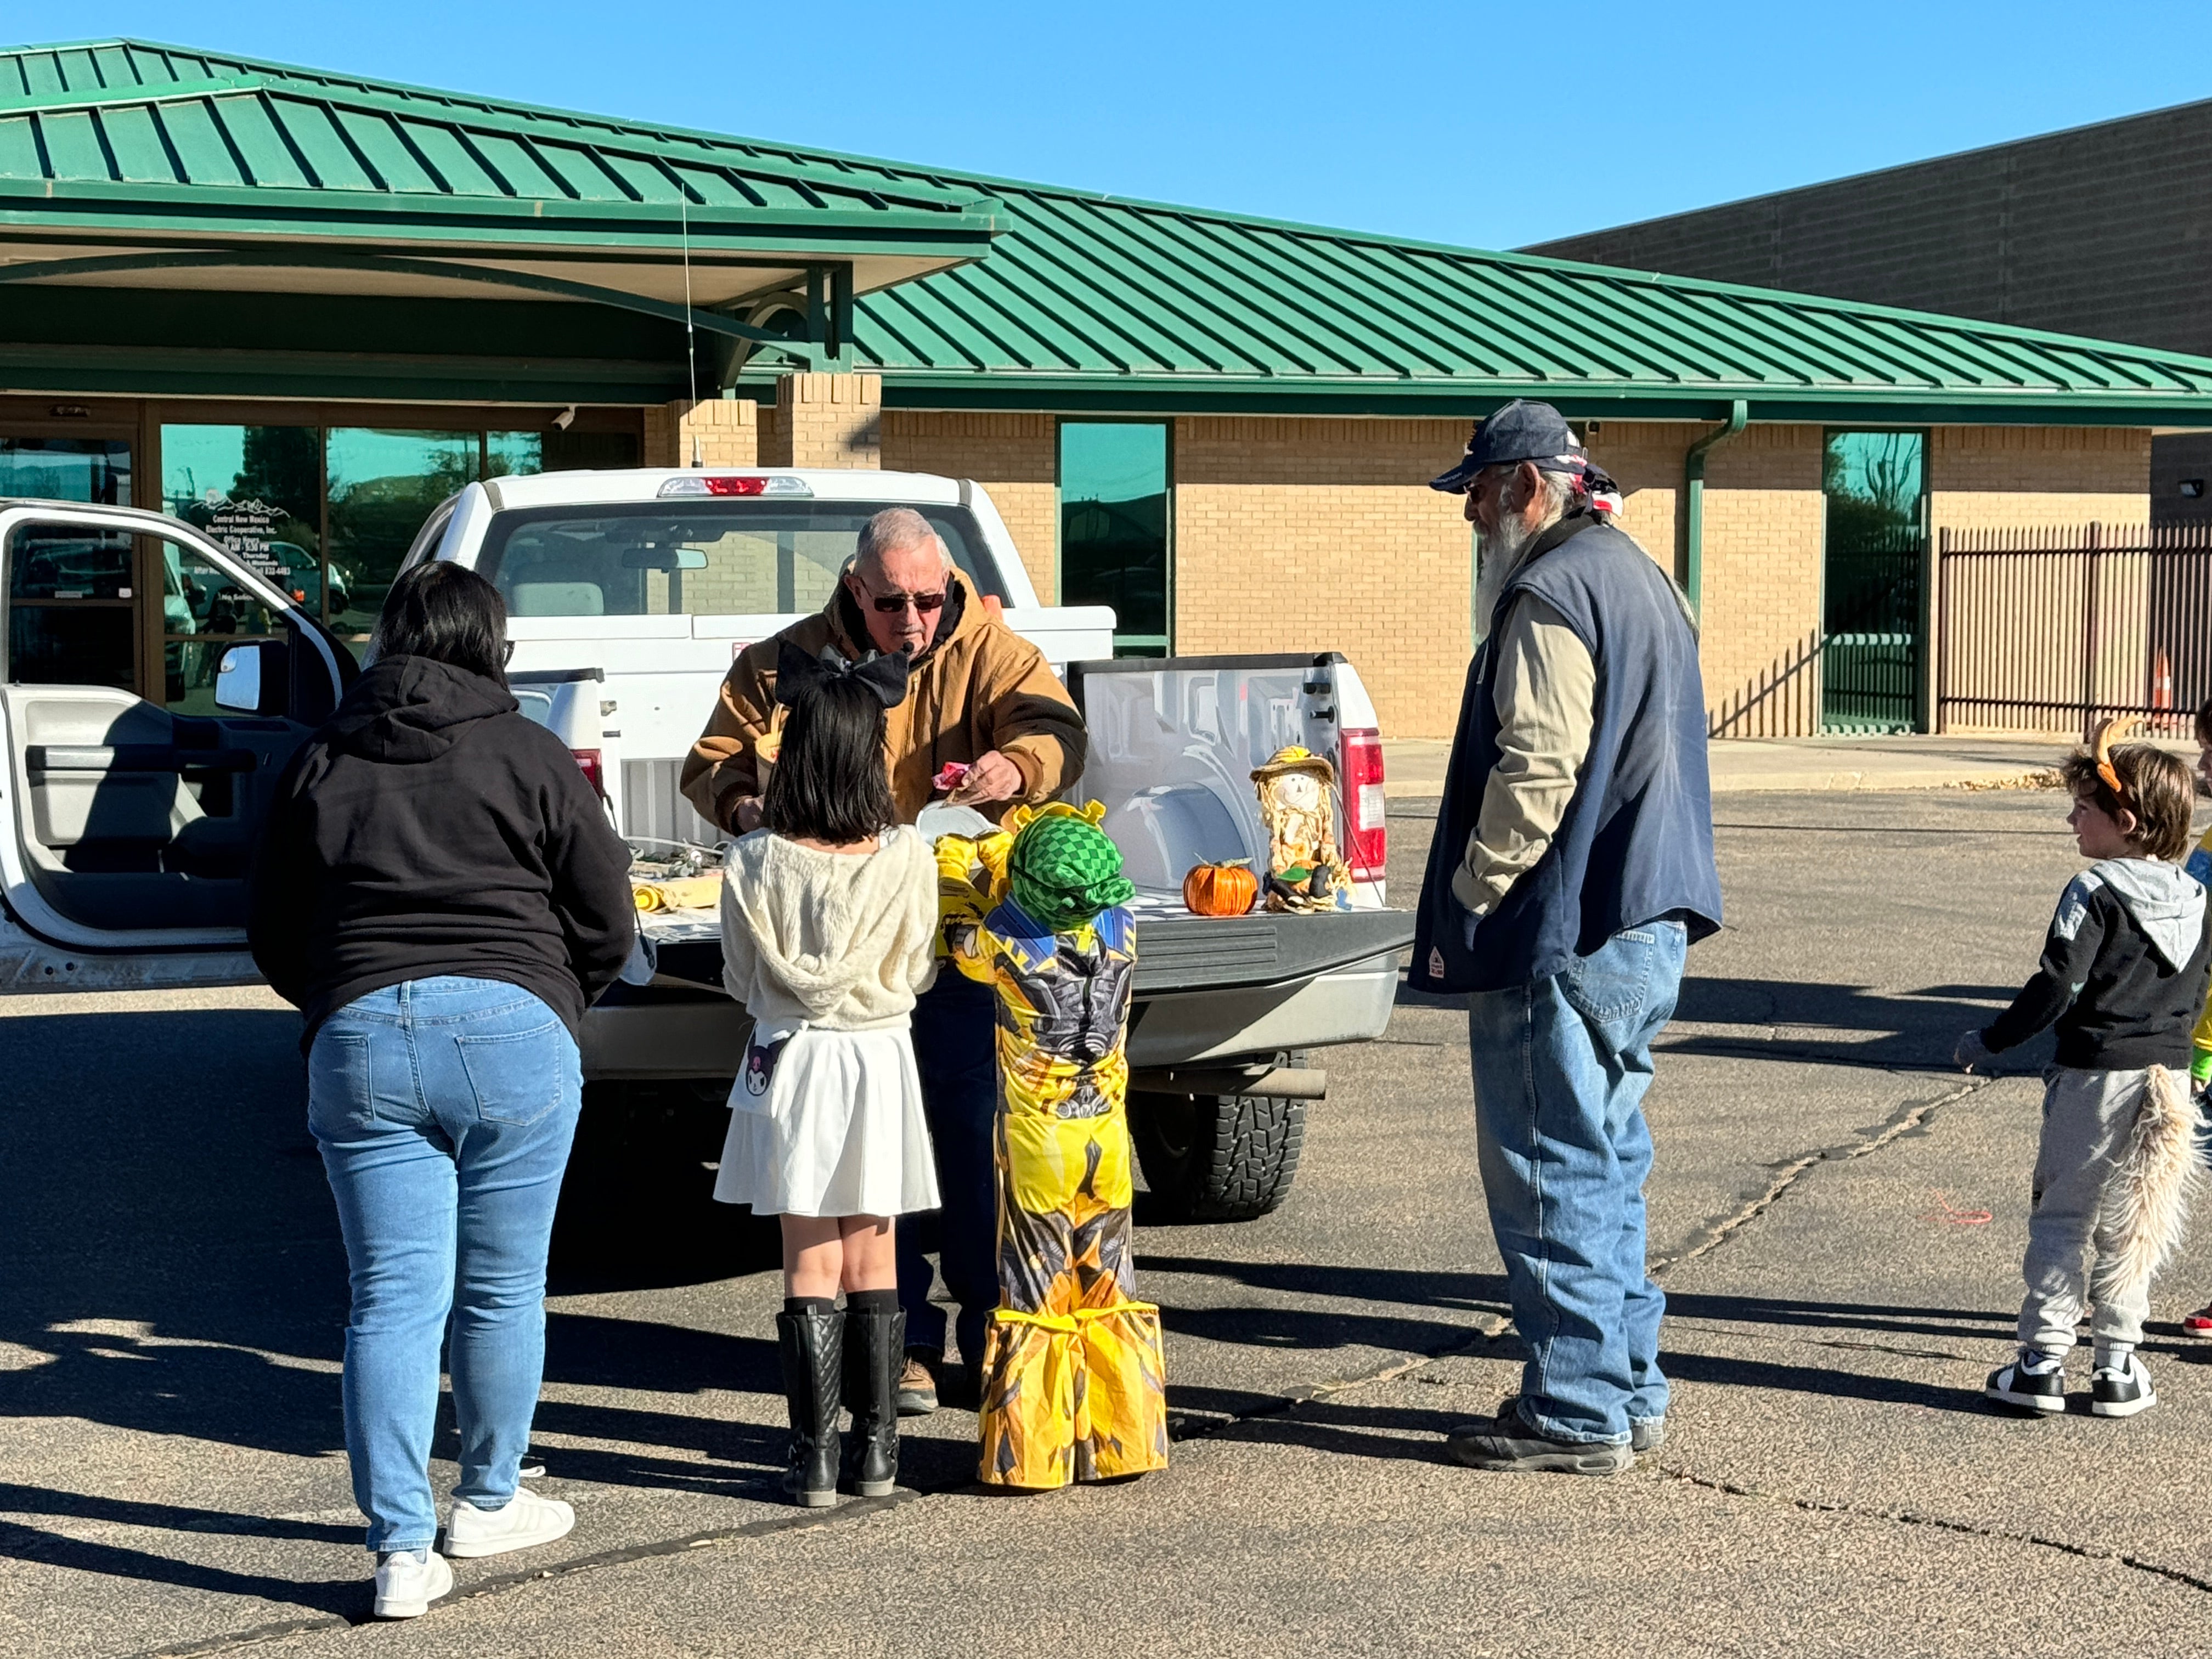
pixel 254 678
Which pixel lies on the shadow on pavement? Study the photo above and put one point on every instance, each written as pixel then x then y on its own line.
pixel 130 1512
pixel 1828 1380
pixel 1912 1029
pixel 347 1598
pixel 172 1251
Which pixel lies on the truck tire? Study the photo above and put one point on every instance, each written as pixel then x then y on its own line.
pixel 1217 1158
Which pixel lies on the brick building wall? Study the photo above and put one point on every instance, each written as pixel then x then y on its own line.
pixel 1997 477
pixel 1014 456
pixel 1761 597
pixel 1320 535
pixel 824 420
pixel 719 431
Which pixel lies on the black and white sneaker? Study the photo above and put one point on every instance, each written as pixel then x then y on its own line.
pixel 2121 1390
pixel 2041 1390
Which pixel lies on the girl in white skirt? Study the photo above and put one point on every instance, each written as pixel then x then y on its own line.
pixel 828 933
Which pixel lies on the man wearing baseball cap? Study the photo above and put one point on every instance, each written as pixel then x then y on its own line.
pixel 1572 866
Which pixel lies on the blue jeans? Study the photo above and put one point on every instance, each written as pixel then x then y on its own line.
pixel 955 1051
pixel 443 1108
pixel 1560 1068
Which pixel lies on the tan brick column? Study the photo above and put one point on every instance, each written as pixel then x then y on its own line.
pixel 825 420
pixel 718 432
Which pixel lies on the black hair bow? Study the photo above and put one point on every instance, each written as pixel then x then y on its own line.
pixel 796 668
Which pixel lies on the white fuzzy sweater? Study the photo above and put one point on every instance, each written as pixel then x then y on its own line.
pixel 840 941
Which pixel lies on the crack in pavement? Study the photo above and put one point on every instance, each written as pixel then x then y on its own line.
pixel 1907 1118
pixel 1917 1518
pixel 1487 1329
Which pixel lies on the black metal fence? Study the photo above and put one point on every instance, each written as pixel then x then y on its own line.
pixel 2053 629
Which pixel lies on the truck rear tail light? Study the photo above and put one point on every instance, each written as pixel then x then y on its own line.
pixel 589 762
pixel 1367 831
pixel 741 483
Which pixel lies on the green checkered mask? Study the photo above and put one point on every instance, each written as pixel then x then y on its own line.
pixel 1064 871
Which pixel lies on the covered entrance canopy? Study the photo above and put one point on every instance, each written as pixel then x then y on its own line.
pixel 191 190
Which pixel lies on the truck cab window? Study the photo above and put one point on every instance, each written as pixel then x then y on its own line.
pixel 707 558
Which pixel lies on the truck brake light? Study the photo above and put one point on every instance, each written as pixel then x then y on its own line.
pixel 594 770
pixel 1367 830
pixel 743 484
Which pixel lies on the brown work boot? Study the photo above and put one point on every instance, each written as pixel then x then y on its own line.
pixel 917 1382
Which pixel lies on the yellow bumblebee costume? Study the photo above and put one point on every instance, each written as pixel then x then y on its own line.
pixel 1072 1384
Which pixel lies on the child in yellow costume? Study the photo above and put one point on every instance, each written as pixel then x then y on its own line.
pixel 1073 1385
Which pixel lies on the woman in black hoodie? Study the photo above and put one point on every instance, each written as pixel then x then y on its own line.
pixel 440 894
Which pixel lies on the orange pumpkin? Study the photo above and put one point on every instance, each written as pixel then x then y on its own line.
pixel 1220 889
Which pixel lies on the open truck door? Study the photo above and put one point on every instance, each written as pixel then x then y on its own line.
pixel 153 686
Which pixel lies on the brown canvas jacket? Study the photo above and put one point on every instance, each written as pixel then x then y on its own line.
pixel 980 686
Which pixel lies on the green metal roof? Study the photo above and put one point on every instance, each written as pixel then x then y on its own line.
pixel 1095 302
pixel 1079 301
pixel 126 136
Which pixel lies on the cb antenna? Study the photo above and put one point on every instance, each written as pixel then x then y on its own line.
pixel 690 339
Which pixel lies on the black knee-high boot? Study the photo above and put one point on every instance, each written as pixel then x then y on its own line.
pixel 875 1344
pixel 810 1342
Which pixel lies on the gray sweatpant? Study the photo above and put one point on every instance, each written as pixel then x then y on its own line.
pixel 2087 1118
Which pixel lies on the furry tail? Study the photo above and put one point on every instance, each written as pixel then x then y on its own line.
pixel 2158 1177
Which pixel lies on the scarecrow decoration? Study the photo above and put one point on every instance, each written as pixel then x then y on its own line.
pixel 1304 871
pixel 1071 1381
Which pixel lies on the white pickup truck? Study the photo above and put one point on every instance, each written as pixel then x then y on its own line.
pixel 629 593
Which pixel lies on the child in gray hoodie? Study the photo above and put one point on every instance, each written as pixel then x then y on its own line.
pixel 2122 978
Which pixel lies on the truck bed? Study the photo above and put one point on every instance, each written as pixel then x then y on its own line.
pixel 1175 955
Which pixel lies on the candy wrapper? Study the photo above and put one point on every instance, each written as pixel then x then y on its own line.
pixel 951 775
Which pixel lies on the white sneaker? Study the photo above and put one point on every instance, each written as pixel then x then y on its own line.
pixel 525 1522
pixel 406 1587
pixel 2121 1390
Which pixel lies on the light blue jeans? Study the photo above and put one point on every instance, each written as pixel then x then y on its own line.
pixel 443 1108
pixel 1561 1066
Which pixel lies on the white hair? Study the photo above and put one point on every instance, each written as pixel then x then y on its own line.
pixel 891 531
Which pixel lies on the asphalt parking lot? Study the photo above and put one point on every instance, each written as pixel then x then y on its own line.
pixel 1839 1216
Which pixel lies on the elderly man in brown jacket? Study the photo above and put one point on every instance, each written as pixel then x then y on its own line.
pixel 980 694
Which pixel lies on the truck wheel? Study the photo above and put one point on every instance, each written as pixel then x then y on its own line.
pixel 1218 1158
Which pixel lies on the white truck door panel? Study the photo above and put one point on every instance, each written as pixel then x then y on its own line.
pixel 125 828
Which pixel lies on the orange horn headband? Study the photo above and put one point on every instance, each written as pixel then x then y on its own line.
pixel 2100 741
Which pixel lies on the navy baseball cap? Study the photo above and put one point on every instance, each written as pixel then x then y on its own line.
pixel 1521 431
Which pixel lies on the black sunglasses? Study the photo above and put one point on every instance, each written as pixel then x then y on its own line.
pixel 892 604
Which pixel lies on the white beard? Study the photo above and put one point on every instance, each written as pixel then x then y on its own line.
pixel 1497 555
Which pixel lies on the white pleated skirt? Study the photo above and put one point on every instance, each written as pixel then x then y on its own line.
pixel 830 1124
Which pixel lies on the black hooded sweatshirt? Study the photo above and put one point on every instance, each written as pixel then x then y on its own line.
pixel 431 829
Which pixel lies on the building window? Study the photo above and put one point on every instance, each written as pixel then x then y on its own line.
pixel 382 485
pixel 95 470
pixel 1115 530
pixel 1874 581
pixel 327 513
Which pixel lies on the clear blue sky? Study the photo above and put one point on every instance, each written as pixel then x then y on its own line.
pixel 1485 124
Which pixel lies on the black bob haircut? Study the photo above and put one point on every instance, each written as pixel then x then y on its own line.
pixel 449 613
pixel 829 783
